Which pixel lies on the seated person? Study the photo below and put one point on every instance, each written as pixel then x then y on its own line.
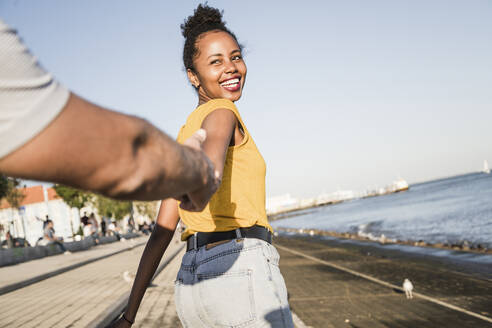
pixel 51 238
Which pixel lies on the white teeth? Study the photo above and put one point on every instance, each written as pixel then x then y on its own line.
pixel 230 82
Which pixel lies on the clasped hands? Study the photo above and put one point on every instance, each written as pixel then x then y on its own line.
pixel 196 200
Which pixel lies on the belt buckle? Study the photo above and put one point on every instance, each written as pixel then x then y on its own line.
pixel 238 234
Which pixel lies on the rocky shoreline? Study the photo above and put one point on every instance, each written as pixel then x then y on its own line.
pixel 462 246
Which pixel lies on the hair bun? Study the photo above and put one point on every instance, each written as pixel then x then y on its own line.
pixel 203 18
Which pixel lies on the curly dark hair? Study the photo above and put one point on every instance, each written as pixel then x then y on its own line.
pixel 204 19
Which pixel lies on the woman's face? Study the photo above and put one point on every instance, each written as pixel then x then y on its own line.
pixel 220 71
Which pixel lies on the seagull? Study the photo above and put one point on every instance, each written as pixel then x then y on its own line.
pixel 128 277
pixel 408 287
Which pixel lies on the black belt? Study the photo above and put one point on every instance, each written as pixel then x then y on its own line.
pixel 203 238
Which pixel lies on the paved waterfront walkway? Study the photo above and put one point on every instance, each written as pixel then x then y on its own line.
pixel 77 297
pixel 20 275
pixel 324 296
pixel 90 294
pixel 321 295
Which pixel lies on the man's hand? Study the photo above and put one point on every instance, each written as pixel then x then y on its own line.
pixel 196 200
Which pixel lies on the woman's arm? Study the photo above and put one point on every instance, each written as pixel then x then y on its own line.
pixel 220 127
pixel 167 219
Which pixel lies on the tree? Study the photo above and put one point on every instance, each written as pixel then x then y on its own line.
pixel 12 194
pixel 114 208
pixel 73 197
pixel 148 209
pixel 9 191
pixel 4 185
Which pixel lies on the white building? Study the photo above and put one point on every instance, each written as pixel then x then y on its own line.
pixel 335 197
pixel 281 203
pixel 27 221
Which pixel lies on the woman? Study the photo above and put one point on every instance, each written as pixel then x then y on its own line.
pixel 229 276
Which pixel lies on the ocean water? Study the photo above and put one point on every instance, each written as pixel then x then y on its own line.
pixel 451 210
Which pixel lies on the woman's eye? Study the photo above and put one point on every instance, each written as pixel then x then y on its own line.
pixel 237 57
pixel 213 62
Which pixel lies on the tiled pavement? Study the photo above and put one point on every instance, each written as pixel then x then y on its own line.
pixel 76 297
pixel 322 296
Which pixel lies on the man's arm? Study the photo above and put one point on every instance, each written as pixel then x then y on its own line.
pixel 117 155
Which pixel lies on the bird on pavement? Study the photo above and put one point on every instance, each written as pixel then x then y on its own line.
pixel 128 277
pixel 408 287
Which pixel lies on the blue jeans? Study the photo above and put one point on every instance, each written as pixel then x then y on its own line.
pixel 56 242
pixel 235 284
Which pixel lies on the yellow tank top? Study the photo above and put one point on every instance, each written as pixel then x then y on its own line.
pixel 240 199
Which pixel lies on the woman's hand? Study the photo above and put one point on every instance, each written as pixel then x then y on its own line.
pixel 120 323
pixel 157 244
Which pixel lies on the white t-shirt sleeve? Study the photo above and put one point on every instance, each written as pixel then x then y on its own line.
pixel 30 98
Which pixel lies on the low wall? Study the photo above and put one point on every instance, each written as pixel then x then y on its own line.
pixel 23 254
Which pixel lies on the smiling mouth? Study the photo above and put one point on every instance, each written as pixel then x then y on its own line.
pixel 231 84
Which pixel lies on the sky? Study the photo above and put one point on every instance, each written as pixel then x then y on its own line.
pixel 339 94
